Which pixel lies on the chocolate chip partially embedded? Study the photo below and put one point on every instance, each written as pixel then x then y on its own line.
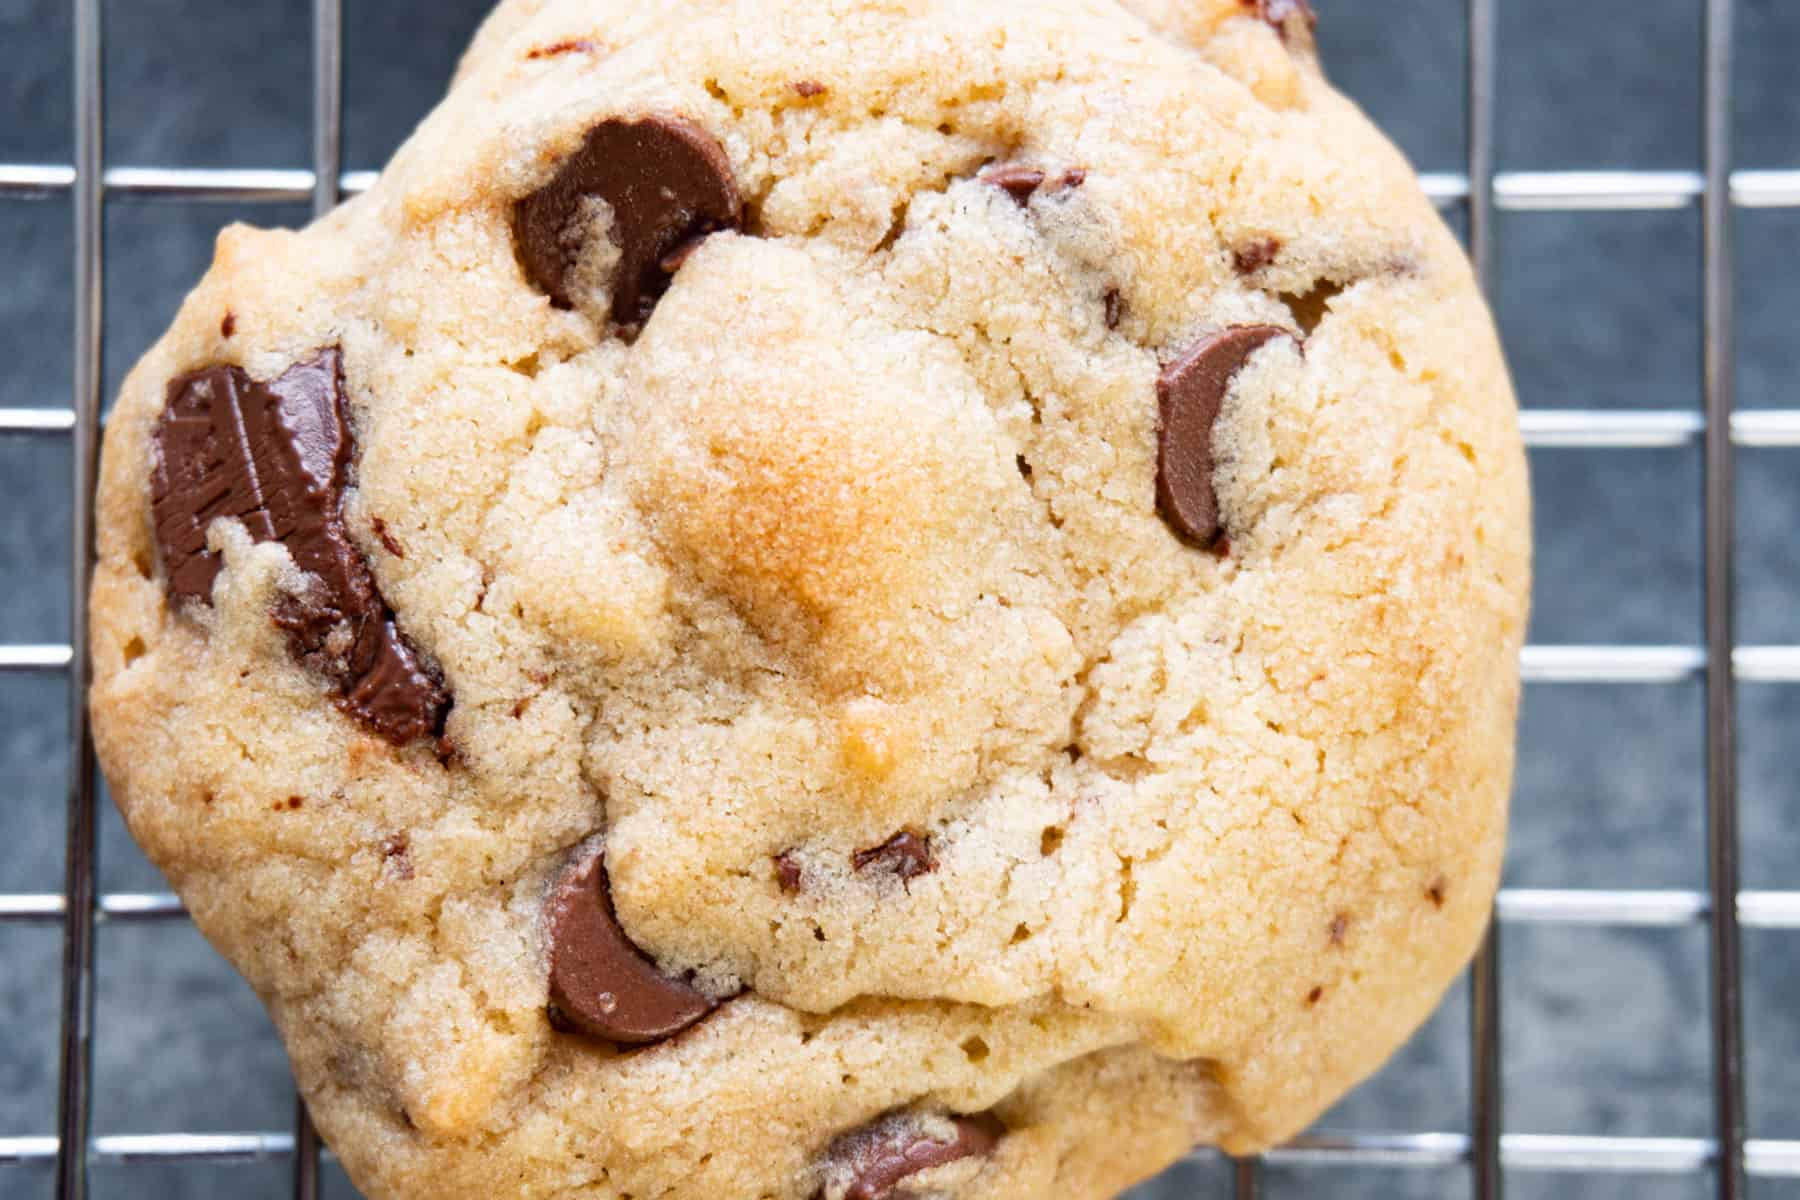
pixel 871 1162
pixel 788 876
pixel 601 984
pixel 1016 180
pixel 905 854
pixel 1254 255
pixel 1189 394
pixel 667 182
pixel 276 457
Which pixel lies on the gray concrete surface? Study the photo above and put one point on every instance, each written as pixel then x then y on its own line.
pixel 1605 1030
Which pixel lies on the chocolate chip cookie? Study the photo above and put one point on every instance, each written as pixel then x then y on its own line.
pixel 830 601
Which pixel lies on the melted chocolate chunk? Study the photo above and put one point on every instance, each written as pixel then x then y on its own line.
pixel 601 984
pixel 1189 394
pixel 808 88
pixel 276 457
pixel 905 854
pixel 871 1162
pixel 667 182
pixel 1016 180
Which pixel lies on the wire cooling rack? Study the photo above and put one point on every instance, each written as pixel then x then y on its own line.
pixel 1480 192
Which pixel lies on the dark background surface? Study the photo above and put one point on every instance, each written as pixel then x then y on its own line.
pixel 1604 1029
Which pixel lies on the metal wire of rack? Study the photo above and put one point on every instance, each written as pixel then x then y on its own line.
pixel 1486 1152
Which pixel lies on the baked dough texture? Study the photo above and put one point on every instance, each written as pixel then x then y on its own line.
pixel 856 537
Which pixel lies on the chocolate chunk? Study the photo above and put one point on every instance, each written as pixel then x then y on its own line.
pixel 395 695
pixel 787 873
pixel 276 456
pixel 1074 177
pixel 228 325
pixel 1115 307
pixel 1016 180
pixel 1190 394
pixel 601 984
pixel 1253 256
pixel 905 854
pixel 808 88
pixel 666 180
pixel 1284 15
pixel 871 1162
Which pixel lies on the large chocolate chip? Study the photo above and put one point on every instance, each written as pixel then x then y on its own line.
pixel 601 984
pixel 667 182
pixel 276 457
pixel 869 1163
pixel 905 854
pixel 1189 394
